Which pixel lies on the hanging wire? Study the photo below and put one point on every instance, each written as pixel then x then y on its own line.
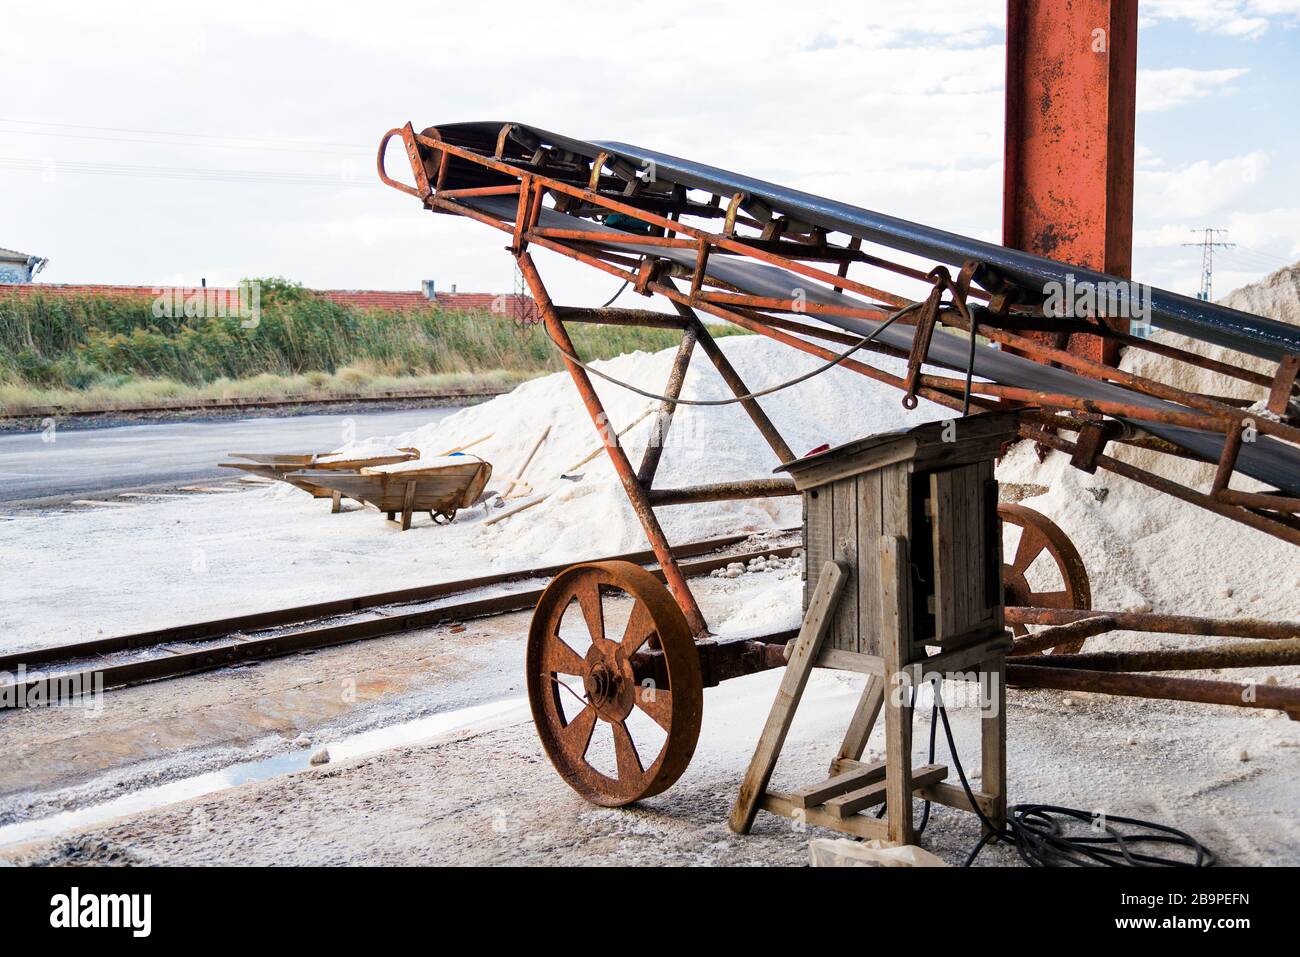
pixel 893 317
pixel 609 302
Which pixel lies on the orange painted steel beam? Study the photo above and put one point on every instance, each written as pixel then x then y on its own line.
pixel 1070 104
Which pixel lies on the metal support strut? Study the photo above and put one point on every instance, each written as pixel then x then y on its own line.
pixel 636 493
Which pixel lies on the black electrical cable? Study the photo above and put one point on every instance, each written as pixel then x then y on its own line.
pixel 610 301
pixel 830 364
pixel 934 726
pixel 1037 834
pixel 970 369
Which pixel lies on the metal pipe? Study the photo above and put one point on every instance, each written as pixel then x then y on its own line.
pixel 1159 623
pixel 654 449
pixel 635 492
pixel 1025 675
pixel 1278 503
pixel 1242 655
pixel 1062 635
pixel 610 316
pixel 1057 400
pixel 722 492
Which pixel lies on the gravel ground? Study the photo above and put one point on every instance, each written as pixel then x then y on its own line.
pixel 486 794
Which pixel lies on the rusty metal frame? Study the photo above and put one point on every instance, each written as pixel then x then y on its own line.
pixel 583 187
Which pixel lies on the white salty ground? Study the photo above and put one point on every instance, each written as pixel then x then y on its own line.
pixel 79 574
pixel 1229 776
pixel 486 794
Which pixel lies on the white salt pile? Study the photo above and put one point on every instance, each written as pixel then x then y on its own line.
pixel 587 512
pixel 1149 551
pixel 1143 550
pixel 1146 551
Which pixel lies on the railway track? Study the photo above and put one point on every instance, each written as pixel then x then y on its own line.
pixel 84 668
pixel 227 405
pixel 64 672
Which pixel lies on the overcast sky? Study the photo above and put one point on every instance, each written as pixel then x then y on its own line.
pixel 157 143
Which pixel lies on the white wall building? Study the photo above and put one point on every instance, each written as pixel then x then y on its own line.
pixel 16 267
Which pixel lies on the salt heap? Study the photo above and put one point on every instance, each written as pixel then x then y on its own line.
pixel 1148 551
pixel 590 515
pixel 1143 550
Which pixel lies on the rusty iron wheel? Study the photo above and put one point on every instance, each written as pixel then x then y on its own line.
pixel 603 683
pixel 1039 534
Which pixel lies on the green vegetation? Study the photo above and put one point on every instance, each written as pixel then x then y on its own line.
pixel 100 352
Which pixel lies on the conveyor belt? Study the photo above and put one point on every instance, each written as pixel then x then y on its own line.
pixel 1268 460
pixel 1254 335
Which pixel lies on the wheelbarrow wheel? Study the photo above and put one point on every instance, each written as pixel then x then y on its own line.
pixel 573 660
pixel 1069 586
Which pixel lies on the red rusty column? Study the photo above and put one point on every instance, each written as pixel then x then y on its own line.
pixel 1068 189
pixel 636 493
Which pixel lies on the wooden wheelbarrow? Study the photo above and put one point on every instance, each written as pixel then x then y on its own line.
pixel 279 467
pixel 438 486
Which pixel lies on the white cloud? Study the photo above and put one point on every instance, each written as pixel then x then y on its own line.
pixel 1164 89
pixel 1196 189
pixel 893 108
pixel 1262 242
pixel 1235 18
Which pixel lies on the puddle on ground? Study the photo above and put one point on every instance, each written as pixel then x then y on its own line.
pixel 417 731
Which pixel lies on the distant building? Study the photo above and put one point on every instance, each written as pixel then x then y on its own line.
pixel 16 267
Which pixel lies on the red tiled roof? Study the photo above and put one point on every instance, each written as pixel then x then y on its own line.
pixel 356 298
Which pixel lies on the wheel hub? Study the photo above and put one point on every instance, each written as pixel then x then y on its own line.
pixel 609 681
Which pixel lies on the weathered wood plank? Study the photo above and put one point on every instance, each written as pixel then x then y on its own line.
pixel 837 784
pixel 846 805
pixel 860 825
pixel 897 646
pixel 838 659
pixel 973 519
pixel 868 566
pixel 895 519
pixel 942 511
pixel 816 624
pixel 816 538
pixel 863 720
pixel 844 549
pixel 993 739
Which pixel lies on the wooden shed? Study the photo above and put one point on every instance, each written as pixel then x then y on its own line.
pixel 931 485
pixel 902 565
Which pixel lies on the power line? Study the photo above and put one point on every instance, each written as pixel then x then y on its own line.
pixel 210 136
pixel 202 174
pixel 323 149
pixel 1208 244
pixel 1246 254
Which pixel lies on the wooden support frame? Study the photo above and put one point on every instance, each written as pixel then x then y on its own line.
pixel 816 623
pixel 853 786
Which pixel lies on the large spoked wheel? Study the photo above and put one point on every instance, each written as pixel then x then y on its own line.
pixel 589 708
pixel 1068 585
